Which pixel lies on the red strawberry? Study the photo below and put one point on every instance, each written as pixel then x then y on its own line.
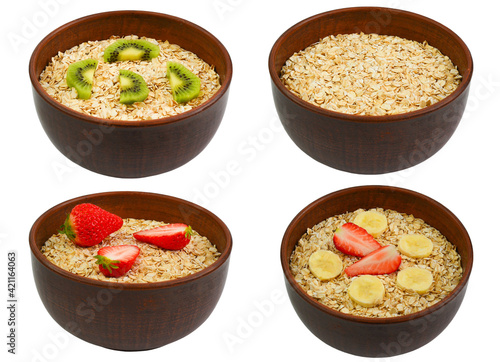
pixel 352 239
pixel 88 224
pixel 115 261
pixel 384 260
pixel 171 236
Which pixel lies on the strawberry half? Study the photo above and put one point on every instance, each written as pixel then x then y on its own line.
pixel 171 236
pixel 384 260
pixel 88 224
pixel 352 239
pixel 115 261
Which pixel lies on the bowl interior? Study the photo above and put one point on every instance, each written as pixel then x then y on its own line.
pixel 138 205
pixel 159 26
pixel 401 200
pixel 120 23
pixel 384 21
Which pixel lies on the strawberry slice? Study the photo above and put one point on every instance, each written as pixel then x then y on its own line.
pixel 384 260
pixel 115 261
pixel 352 239
pixel 171 236
pixel 88 224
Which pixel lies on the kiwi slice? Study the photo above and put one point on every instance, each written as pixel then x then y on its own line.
pixel 130 49
pixel 184 84
pixel 80 76
pixel 133 87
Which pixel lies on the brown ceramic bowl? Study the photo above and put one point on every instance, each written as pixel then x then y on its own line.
pixel 369 144
pixel 376 337
pixel 124 148
pixel 131 316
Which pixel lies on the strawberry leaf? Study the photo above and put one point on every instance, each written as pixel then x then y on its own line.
pixel 188 232
pixel 67 229
pixel 107 262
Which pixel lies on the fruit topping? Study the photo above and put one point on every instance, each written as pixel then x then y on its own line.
pixel 130 49
pixel 115 261
pixel 88 224
pixel 381 261
pixel 170 236
pixel 325 265
pixel 80 75
pixel 352 239
pixel 373 222
pixel 183 83
pixel 415 245
pixel 366 290
pixel 133 87
pixel 415 279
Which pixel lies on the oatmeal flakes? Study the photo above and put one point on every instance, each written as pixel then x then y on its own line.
pixel 444 263
pixel 154 264
pixel 104 101
pixel 370 74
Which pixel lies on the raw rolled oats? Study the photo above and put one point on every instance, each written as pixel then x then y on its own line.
pixel 154 264
pixel 105 99
pixel 370 74
pixel 444 263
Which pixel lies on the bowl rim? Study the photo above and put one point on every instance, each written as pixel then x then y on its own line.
pixel 223 258
pixel 464 84
pixel 124 123
pixel 467 268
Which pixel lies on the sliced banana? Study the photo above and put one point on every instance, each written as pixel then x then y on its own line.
pixel 415 279
pixel 415 245
pixel 325 265
pixel 372 221
pixel 366 290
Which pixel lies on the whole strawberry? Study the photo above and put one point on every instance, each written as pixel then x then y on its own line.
pixel 88 224
pixel 171 236
pixel 115 261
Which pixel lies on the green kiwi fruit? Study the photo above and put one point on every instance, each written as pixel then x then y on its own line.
pixel 80 76
pixel 130 49
pixel 184 84
pixel 133 87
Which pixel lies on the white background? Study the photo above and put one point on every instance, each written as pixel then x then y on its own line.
pixel 275 180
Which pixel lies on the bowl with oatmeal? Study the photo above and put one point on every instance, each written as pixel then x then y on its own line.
pixel 370 90
pixel 168 265
pixel 376 271
pixel 130 93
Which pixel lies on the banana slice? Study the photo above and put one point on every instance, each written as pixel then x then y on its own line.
pixel 366 290
pixel 416 279
pixel 415 245
pixel 325 265
pixel 372 221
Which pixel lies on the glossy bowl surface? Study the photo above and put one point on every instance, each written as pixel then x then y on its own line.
pixel 376 337
pixel 131 316
pixel 131 148
pixel 369 144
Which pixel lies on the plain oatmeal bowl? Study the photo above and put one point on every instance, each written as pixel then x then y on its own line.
pixel 367 268
pixel 167 290
pixel 370 90
pixel 130 93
